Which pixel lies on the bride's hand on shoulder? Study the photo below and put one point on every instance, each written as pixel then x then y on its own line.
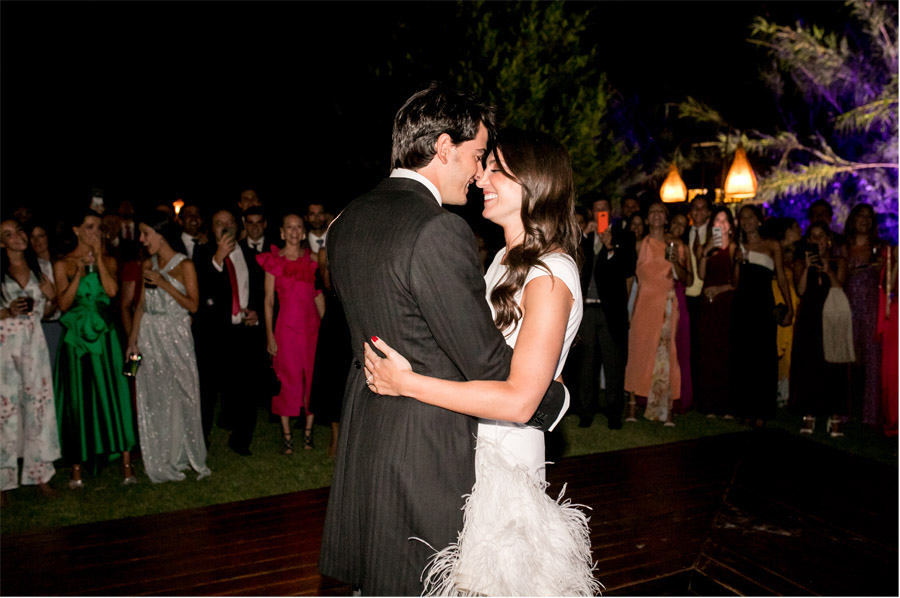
pixel 385 375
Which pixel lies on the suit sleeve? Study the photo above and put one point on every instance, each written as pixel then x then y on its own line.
pixel 445 275
pixel 623 259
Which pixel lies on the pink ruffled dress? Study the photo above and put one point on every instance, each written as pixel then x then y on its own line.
pixel 296 328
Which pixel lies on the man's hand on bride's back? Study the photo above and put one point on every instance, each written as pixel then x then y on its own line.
pixel 385 375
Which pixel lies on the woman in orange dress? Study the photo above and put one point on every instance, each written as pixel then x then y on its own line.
pixel 652 370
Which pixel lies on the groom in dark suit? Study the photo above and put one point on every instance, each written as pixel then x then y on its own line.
pixel 407 270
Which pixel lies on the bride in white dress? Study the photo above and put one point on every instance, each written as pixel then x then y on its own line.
pixel 516 539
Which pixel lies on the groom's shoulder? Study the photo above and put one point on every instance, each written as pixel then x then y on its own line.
pixel 394 203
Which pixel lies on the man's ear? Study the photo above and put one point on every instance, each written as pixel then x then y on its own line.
pixel 443 146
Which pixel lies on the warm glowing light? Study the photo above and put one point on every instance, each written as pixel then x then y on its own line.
pixel 177 204
pixel 692 193
pixel 741 180
pixel 673 188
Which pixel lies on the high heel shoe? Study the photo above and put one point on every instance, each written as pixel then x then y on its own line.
pixel 307 439
pixel 632 409
pixel 809 424
pixel 287 443
pixel 75 482
pixel 833 427
pixel 129 477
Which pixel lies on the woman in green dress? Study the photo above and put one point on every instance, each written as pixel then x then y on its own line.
pixel 92 400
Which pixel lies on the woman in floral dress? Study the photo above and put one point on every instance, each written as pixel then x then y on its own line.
pixel 27 413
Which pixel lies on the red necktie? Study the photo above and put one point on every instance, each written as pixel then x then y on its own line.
pixel 235 298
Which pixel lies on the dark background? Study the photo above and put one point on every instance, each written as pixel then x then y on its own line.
pixel 154 101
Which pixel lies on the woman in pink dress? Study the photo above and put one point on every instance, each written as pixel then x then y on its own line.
pixel 652 370
pixel 291 275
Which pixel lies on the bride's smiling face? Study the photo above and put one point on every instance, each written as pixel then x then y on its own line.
pixel 502 195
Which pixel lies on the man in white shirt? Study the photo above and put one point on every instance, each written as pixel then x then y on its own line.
pixel 317 226
pixel 191 222
pixel 126 213
pixel 228 326
pixel 257 240
pixel 696 239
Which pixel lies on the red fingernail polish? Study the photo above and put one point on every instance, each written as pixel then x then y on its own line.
pixel 374 339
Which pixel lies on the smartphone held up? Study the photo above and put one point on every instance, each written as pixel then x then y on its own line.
pixel 602 222
pixel 718 237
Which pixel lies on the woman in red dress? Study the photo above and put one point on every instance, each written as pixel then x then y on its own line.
pixel 291 275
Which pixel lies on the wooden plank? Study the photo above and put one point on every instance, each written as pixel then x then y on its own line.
pixel 705 517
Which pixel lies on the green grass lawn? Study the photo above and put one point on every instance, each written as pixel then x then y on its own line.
pixel 267 472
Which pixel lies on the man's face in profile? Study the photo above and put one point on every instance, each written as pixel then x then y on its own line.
pixel 464 167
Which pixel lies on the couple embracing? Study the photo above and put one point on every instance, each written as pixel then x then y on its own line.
pixel 445 357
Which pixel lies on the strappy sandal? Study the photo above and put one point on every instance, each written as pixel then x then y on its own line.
pixel 307 439
pixel 287 443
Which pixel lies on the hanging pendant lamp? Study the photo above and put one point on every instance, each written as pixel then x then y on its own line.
pixel 673 188
pixel 741 180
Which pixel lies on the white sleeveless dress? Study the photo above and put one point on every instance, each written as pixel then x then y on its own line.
pixel 517 540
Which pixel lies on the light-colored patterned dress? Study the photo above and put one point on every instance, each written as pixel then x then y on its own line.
pixel 27 412
pixel 168 389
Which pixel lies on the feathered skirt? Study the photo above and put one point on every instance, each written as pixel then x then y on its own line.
pixel 516 540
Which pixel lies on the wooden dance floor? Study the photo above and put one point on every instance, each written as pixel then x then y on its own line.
pixel 744 514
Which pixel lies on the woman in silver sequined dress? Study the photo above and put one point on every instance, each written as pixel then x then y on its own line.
pixel 168 388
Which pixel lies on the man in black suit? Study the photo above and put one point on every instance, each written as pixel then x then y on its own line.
pixel 316 226
pixel 258 239
pixel 230 282
pixel 406 269
pixel 609 261
pixel 191 220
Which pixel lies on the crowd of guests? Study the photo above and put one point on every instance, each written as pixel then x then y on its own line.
pixel 686 307
pixel 123 329
pixel 736 314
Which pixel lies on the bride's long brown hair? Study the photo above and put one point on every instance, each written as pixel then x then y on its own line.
pixel 543 167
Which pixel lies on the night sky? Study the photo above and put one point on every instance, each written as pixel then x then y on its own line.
pixel 158 100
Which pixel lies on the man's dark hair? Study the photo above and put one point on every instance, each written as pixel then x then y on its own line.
pixel 255 211
pixel 820 203
pixel 432 112
pixel 234 214
pixel 705 197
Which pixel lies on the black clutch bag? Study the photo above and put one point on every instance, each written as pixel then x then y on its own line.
pixel 272 382
pixel 780 312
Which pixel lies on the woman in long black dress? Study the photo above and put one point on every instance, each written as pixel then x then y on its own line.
pixel 716 268
pixel 333 357
pixel 818 388
pixel 753 349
